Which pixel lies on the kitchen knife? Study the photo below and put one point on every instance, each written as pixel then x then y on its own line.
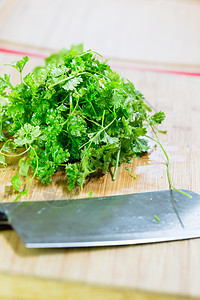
pixel 105 221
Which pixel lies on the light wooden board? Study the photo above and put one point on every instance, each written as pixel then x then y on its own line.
pixel 152 31
pixel 18 287
pixel 172 267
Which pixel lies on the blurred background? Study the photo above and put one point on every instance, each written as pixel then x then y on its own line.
pixel 156 31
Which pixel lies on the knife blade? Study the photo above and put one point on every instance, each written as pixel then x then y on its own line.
pixel 105 221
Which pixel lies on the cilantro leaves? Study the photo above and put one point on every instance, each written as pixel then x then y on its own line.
pixel 74 113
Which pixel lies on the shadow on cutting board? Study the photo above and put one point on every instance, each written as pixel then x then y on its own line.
pixel 17 246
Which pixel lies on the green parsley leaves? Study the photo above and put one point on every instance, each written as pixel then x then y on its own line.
pixel 26 135
pixel 74 113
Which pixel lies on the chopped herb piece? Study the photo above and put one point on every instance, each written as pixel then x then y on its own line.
pixel 156 217
pixel 128 169
pixel 133 175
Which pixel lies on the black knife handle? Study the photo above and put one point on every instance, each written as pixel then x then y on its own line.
pixel 4 224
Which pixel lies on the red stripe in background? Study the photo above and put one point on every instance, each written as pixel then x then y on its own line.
pixel 24 53
pixel 155 70
pixel 116 65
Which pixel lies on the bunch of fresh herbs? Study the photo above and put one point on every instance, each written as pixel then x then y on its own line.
pixel 74 113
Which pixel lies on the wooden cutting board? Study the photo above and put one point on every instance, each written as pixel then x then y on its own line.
pixel 171 267
pixel 155 32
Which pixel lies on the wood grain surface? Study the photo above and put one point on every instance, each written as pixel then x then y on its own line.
pixel 18 287
pixel 172 267
pixel 166 267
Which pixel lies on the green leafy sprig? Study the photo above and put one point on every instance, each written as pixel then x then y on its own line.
pixel 74 113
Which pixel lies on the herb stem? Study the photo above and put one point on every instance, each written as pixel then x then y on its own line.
pixel 89 51
pixel 77 75
pixel 36 163
pixel 21 77
pixel 15 155
pixel 156 217
pixel 70 104
pixel 103 118
pixel 92 107
pixel 168 163
pixel 71 113
pixel 133 176
pixel 90 141
pixel 61 81
pixel 1 114
pixel 117 165
pixel 92 121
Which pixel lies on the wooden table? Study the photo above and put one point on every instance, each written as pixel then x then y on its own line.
pixel 172 267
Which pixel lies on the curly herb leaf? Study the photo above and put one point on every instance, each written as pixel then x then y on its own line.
pixel 16 182
pixel 26 135
pixel 20 64
pixel 24 166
